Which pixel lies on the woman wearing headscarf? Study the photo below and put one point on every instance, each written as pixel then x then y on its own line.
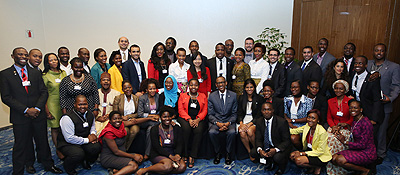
pixel 170 95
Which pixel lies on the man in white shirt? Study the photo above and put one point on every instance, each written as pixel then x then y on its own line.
pixel 248 46
pixel 63 55
pixel 220 66
pixel 348 53
pixel 123 44
pixel 276 72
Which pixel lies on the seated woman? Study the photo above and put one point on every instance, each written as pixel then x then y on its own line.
pixel 361 145
pixel 338 112
pixel 249 110
pixel 295 110
pixel 167 147
pixel 268 93
pixel 192 112
pixel 179 70
pixel 199 71
pixel 170 95
pixel 315 152
pixel 240 72
pixel 113 154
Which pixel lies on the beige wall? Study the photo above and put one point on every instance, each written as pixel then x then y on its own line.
pixel 99 23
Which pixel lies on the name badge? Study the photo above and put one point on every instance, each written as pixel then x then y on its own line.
pixel 86 124
pixel 339 113
pixel 167 141
pixel 309 145
pixel 58 80
pixel 233 77
pixel 193 105
pixel 153 111
pixel 263 161
pixel 164 71
pixel 77 87
pixel 200 80
pixel 220 72
pixel 26 83
pixel 104 105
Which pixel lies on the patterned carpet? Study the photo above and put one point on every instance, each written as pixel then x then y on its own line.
pixel 202 166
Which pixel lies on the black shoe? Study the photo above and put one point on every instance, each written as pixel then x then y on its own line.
pixel 86 165
pixel 278 172
pixel 269 166
pixel 72 173
pixel 54 170
pixel 379 160
pixel 228 159
pixel 30 169
pixel 217 158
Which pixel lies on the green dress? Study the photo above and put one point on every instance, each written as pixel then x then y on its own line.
pixel 241 73
pixel 52 81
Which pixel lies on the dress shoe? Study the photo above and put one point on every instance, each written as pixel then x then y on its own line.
pixel 379 160
pixel 72 172
pixel 217 158
pixel 228 159
pixel 278 172
pixel 54 170
pixel 86 165
pixel 269 166
pixel 30 169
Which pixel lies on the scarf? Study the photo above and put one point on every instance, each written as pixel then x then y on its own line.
pixel 171 96
pixel 120 132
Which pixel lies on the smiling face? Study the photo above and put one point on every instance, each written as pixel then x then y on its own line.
pixel 339 67
pixel 116 120
pixel 20 57
pixel 267 110
pixel 169 84
pixel 348 50
pixel 249 88
pixel 166 118
pixel 81 104
pixel 379 52
pixel 53 61
pixel 151 89
pixel 160 51
pixel 360 64
pixel 118 60
pixel 194 47
pixel 105 83
pixel 135 53
pixel 197 62
pixel 248 45
pixel 313 88
pixel 339 89
pixel 267 92
pixel 258 53
pixel 84 54
pixel 63 54
pixel 221 84
pixel 239 56
pixel 289 55
pixel 322 45
pixel 123 43
pixel 295 88
pixel 193 86
pixel 273 56
pixel 312 120
pixel 181 56
pixel 355 109
pixel 220 51
pixel 229 46
pixel 307 54
pixel 77 68
pixel 102 58
pixel 127 89
pixel 35 58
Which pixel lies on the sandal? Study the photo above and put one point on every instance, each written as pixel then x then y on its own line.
pixel 191 162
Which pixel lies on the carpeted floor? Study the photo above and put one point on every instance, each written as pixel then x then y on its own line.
pixel 202 166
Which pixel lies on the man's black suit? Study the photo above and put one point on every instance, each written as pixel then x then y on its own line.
pixel 280 138
pixel 293 72
pixel 129 73
pixel 311 72
pixel 279 79
pixel 321 103
pixel 14 95
pixel 211 64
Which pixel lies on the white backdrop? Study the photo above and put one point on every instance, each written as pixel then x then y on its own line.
pixel 99 23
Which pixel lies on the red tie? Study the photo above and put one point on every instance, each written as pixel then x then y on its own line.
pixel 345 60
pixel 24 78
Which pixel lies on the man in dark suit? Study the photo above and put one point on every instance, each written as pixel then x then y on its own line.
pixel 123 44
pixel 272 140
pixel 222 108
pixel 320 101
pixel 133 69
pixel 84 55
pixel 35 59
pixel 323 58
pixel 311 70
pixel 276 72
pixel 348 53
pixel 367 92
pixel 23 90
pixel 220 66
pixel 390 85
pixel 170 45
pixel 293 70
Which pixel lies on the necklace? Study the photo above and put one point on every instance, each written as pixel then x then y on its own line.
pixel 77 80
pixel 352 128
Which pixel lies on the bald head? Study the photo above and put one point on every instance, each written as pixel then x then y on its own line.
pixel 123 43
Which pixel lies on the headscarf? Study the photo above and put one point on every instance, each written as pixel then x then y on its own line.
pixel 171 96
pixel 111 132
pixel 345 84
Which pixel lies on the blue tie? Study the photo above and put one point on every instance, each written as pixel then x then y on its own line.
pixel 266 137
pixel 303 66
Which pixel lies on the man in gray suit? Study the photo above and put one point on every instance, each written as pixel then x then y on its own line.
pixel 390 85
pixel 323 58
pixel 222 107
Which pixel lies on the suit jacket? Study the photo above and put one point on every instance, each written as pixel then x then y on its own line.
pixel 211 64
pixel 279 79
pixel 14 95
pixel 351 70
pixel 111 62
pixel 370 97
pixel 119 102
pixel 129 73
pixel 328 58
pixel 311 72
pixel 333 108
pixel 144 104
pixel 255 107
pixel 293 72
pixel 390 81
pixel 279 132
pixel 321 104
pixel 183 106
pixel 222 113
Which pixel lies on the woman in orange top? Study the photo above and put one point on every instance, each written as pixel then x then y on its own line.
pixel 158 63
pixel 192 108
pixel 199 71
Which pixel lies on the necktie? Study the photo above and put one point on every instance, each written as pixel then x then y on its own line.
pixel 105 101
pixel 303 66
pixel 355 85
pixel 222 100
pixel 220 66
pixel 345 61
pixel 266 136
pixel 124 55
pixel 270 72
pixel 24 78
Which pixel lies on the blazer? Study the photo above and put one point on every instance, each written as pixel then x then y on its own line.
pixel 328 58
pixel 222 113
pixel 333 108
pixel 183 106
pixel 158 150
pixel 255 107
pixel 111 62
pixel 14 95
pixel 279 133
pixel 211 64
pixel 319 146
pixel 129 73
pixel 279 79
pixel 293 72
pixel 277 104
pixel 153 72
pixel 96 72
pixel 144 104
pixel 311 72
pixel 390 81
pixel 321 104
pixel 119 102
pixel 351 70
pixel 370 98
pixel 116 78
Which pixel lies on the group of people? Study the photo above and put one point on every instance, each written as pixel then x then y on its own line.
pixel 322 111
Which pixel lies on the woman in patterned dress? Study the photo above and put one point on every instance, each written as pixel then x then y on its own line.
pixel 361 145
pixel 240 72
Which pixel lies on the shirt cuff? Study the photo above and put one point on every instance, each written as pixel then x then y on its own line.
pixel 26 110
pixel 85 140
pixel 277 150
pixel 93 132
pixel 258 150
pixel 37 109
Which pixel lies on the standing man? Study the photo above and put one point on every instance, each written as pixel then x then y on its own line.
pixel 310 69
pixel 323 58
pixel 35 59
pixel 123 44
pixel 390 85
pixel 276 72
pixel 293 70
pixel 348 53
pixel 194 48
pixel 229 45
pixel 220 66
pixel 222 108
pixel 63 54
pixel 84 55
pixel 248 46
pixel 170 45
pixel 23 90
pixel 133 70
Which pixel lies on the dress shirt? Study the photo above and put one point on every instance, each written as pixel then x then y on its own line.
pixel 294 108
pixel 259 69
pixel 67 69
pixel 122 55
pixel 248 57
pixel 86 67
pixel 138 69
pixel 180 74
pixel 218 62
pixel 269 133
pixel 129 107
pixel 320 58
pixel 68 130
pixel 361 78
pixel 30 65
pixel 18 69
pixel 307 62
pixel 272 69
pixel 348 61
pixel 224 97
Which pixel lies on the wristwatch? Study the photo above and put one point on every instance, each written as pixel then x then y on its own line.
pixel 293 121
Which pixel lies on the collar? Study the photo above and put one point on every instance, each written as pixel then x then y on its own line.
pixel 19 68
pixel 270 120
pixel 308 62
pixel 362 75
